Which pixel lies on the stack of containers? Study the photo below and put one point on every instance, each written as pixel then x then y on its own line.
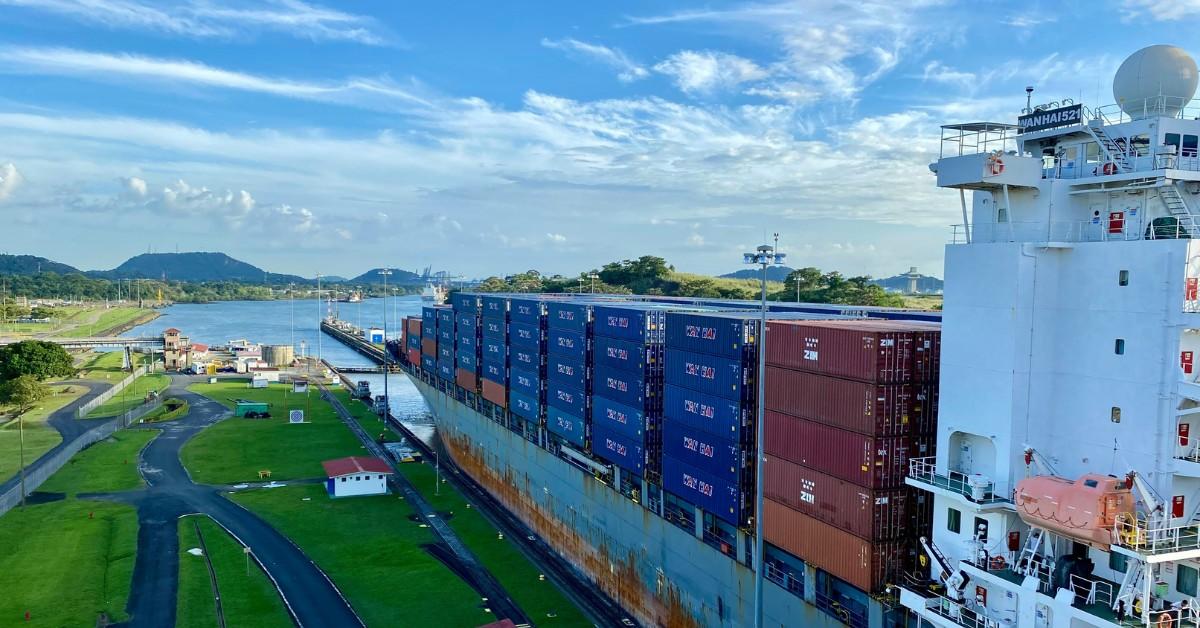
pixel 526 359
pixel 445 342
pixel 568 338
pixel 467 337
pixel 494 349
pixel 627 382
pixel 709 409
pixel 412 339
pixel 847 404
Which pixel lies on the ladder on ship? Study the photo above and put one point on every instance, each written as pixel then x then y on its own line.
pixel 1028 560
pixel 1177 208
pixel 1112 151
pixel 1131 584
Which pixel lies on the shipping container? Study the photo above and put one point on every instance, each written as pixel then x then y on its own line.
pixel 464 301
pixel 875 515
pixel 466 360
pixel 866 565
pixel 711 413
pixel 494 350
pixel 566 425
pixel 445 317
pixel 445 352
pixel 494 307
pixel 626 420
pixel 570 315
pixel 566 370
pixel 712 454
pixel 429 322
pixel 494 328
pixel 466 340
pixel 864 350
pixel 524 406
pixel 414 356
pixel 467 378
pixel 466 321
pixel 524 335
pixel 698 488
pixel 412 341
pixel 566 397
pixel 527 311
pixel 925 407
pixel 640 322
pixel 707 373
pixel 621 354
pixel 494 392
pixel 868 461
pixel 526 383
pixel 627 387
pixel 412 324
pixel 494 371
pixel 428 364
pixel 726 335
pixel 428 346
pixel 445 370
pixel 528 359
pixel 567 343
pixel 445 335
pixel 617 449
pixel 875 409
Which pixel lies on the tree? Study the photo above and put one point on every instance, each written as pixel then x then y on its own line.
pixel 42 360
pixel 493 284
pixel 24 392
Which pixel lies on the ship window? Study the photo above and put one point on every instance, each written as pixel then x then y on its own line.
pixel 1185 580
pixel 1001 214
pixel 953 520
pixel 1189 146
pixel 1123 278
pixel 1172 140
pixel 1115 414
pixel 1119 346
pixel 1092 152
pixel 1117 562
pixel 1140 145
pixel 1091 483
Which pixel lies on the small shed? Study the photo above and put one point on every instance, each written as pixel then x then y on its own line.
pixel 242 406
pixel 373 335
pixel 356 475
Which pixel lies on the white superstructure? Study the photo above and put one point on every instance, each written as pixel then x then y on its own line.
pixel 1071 321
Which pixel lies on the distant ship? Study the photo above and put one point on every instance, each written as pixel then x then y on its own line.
pixel 434 294
pixel 353 297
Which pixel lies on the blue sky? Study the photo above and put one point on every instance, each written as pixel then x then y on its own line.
pixel 493 137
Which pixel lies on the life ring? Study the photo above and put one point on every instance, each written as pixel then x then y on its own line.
pixel 1164 621
pixel 997 166
pixel 996 563
pixel 1110 168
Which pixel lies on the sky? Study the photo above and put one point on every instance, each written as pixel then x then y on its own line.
pixel 494 137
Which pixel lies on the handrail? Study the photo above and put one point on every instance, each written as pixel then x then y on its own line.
pixel 959 613
pixel 1139 536
pixel 1071 231
pixel 925 470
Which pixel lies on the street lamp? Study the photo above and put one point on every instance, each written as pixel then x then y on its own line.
pixel 593 277
pixel 763 256
pixel 386 400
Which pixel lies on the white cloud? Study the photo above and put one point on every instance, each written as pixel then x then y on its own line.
pixel 209 19
pixel 695 240
pixel 627 70
pixel 938 72
pixel 1030 20
pixel 706 71
pixel 1161 10
pixel 135 187
pixel 556 237
pixel 103 66
pixel 10 179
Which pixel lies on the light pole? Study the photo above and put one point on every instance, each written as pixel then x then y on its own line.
pixel 320 332
pixel 593 277
pixel 21 428
pixel 764 256
pixel 386 400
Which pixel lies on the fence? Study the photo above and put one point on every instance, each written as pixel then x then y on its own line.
pixel 110 393
pixel 48 465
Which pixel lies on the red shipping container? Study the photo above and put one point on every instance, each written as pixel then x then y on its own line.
pixel 925 408
pixel 877 409
pixel 869 461
pixel 466 379
pixel 926 348
pixel 494 392
pixel 866 565
pixel 414 357
pixel 870 351
pixel 429 346
pixel 874 515
pixel 412 325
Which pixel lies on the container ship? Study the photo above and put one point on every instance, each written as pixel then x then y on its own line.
pixel 622 430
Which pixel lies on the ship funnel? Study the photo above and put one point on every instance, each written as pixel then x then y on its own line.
pixel 1155 81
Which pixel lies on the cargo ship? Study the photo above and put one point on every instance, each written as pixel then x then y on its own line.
pixel 1065 479
pixel 622 430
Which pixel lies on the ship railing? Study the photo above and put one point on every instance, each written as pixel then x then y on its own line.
pixel 1096 230
pixel 925 470
pixel 977 137
pixel 1090 592
pixel 832 606
pixel 1153 107
pixel 1139 159
pixel 960 613
pixel 774 571
pixel 1147 539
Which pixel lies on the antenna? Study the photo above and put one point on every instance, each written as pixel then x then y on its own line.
pixel 1029 99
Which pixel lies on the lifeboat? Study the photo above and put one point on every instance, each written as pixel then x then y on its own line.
pixel 1085 509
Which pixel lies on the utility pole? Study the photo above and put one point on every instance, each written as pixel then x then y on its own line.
pixel 319 332
pixel 21 429
pixel 387 401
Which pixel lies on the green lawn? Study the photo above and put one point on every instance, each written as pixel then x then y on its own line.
pixel 235 450
pixel 104 366
pixel 133 396
pixel 39 436
pixel 99 321
pixel 377 561
pixel 109 465
pixel 248 598
pixel 64 567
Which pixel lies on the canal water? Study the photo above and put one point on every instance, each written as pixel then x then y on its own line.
pixel 296 323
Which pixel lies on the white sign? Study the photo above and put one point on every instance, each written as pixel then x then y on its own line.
pixel 296 416
pixel 299 386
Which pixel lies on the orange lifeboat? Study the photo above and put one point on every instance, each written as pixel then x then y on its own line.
pixel 1084 510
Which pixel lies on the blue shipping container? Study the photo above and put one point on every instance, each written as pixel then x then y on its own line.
pixel 445 370
pixel 494 350
pixel 617 449
pixel 525 335
pixel 494 307
pixel 716 415
pixel 495 371
pixel 634 322
pixel 525 383
pixel 524 406
pixel 720 498
pixel 706 373
pixel 714 455
pixel 566 425
pixel 466 341
pixel 567 371
pixel 445 336
pixel 429 322
pixel 621 354
pixel 445 316
pixel 528 359
pixel 464 301
pixel 494 328
pixel 628 421
pixel 724 335
pixel 565 342
pixel 627 387
pixel 528 311
pixel 566 397
pixel 567 315
pixel 466 320
pixel 412 341
pixel 467 360
pixel 428 364
pixel 445 353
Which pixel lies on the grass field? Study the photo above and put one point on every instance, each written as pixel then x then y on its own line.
pixel 99 321
pixel 39 436
pixel 133 396
pixel 373 553
pixel 247 599
pixel 109 465
pixel 235 450
pixel 104 366
pixel 924 302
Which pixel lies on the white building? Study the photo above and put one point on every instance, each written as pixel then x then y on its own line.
pixel 356 475
pixel 1070 325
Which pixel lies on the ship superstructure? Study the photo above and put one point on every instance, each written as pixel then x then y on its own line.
pixel 1066 480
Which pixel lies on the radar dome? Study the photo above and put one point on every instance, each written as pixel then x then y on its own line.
pixel 1156 80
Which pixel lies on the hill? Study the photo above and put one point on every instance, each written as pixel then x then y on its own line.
pixel 926 284
pixel 774 273
pixel 31 265
pixel 398 277
pixel 198 266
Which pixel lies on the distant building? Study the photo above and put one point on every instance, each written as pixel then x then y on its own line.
pixel 176 350
pixel 356 475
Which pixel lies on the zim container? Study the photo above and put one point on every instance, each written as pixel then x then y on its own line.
pixel 566 425
pixel 716 456
pixel 619 354
pixel 714 495
pixel 526 383
pixel 868 461
pixel 493 306
pixel 566 370
pixel 523 335
pixel 528 311
pixel 706 373
pixel 627 387
pixel 494 392
pixel 566 397
pixel 567 343
pixel 864 407
pixel 464 301
pixel 568 315
pixel 524 406
pixel 494 328
pixel 617 449
pixel 716 415
pixel 627 421
pixel 726 335
pixel 864 564
pixel 869 351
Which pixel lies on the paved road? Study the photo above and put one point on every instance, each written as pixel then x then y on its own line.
pixel 69 427
pixel 309 594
